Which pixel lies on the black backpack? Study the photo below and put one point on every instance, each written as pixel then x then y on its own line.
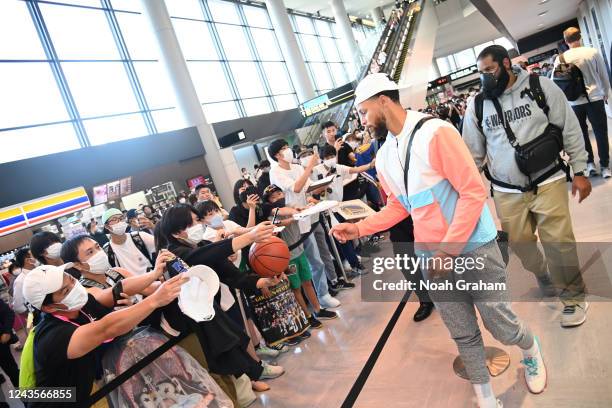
pixel 142 247
pixel 569 78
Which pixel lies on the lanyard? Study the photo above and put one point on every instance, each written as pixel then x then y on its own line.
pixel 65 319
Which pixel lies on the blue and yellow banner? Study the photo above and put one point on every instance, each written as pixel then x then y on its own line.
pixel 43 209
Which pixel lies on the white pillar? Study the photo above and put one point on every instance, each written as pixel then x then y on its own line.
pixel 346 32
pixel 291 51
pixel 378 15
pixel 415 72
pixel 221 162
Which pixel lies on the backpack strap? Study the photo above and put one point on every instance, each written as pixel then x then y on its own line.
pixel 562 58
pixel 142 247
pixel 112 259
pixel 479 107
pixel 538 93
pixel 409 148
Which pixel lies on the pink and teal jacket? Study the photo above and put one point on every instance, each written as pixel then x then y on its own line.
pixel 446 195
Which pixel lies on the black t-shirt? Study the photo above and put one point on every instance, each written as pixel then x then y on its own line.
pixel 240 215
pixel 51 363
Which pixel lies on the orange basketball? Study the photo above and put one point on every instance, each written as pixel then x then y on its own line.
pixel 270 257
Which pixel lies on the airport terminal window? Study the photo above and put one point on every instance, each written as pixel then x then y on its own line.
pixel 229 49
pixel 319 44
pixel 467 57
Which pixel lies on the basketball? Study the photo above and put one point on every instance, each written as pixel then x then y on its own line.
pixel 270 257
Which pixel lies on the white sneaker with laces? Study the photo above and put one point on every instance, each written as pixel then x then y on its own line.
pixel 606 173
pixel 271 371
pixel 574 315
pixel 535 370
pixel 328 301
pixel 591 170
pixel 265 351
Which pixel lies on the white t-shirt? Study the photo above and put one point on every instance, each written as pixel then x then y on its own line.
pixel 285 179
pixel 129 256
pixel 18 299
pixel 337 186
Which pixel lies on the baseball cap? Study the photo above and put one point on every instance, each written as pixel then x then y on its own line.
pixel 372 85
pixel 269 190
pixel 197 296
pixel 109 213
pixel 41 281
pixel 131 214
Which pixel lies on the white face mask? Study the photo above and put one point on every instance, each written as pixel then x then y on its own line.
pixel 53 251
pixel 195 234
pixel 182 200
pixel 353 144
pixel 76 298
pixel 98 263
pixel 119 228
pixel 287 155
pixel 330 162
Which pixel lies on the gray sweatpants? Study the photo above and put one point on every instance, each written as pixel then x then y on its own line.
pixel 457 311
pixel 325 252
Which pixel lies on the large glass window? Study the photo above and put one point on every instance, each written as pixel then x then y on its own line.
pixel 233 56
pixel 465 58
pixel 325 57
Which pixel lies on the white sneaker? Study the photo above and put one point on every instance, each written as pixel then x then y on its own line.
pixel 265 351
pixel 499 404
pixel 574 315
pixel 535 370
pixel 328 301
pixel 605 172
pixel 271 371
pixel 591 170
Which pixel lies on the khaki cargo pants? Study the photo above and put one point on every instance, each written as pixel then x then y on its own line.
pixel 548 213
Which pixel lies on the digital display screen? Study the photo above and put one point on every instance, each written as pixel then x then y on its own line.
pixel 114 190
pixel 100 194
pixel 125 186
pixel 195 181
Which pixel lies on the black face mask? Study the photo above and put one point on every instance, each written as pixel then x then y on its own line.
pixel 493 86
pixel 278 203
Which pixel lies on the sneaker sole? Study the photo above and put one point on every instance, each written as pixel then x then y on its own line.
pixel 327 318
pixel 268 377
pixel 316 327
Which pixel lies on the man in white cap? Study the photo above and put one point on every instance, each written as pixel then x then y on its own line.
pixel 74 324
pixel 133 251
pixel 428 172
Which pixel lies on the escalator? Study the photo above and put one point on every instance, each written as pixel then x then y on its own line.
pixel 389 57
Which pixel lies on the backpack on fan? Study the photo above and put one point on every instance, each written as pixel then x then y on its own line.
pixel 138 242
pixel 569 78
pixel 175 379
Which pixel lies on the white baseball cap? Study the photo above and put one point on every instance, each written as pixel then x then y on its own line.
pixel 41 281
pixel 373 84
pixel 197 296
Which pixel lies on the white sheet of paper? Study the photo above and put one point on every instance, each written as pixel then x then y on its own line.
pixel 315 209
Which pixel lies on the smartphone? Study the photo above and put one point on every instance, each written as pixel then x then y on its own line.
pixel 174 267
pixel 274 221
pixel 315 149
pixel 117 290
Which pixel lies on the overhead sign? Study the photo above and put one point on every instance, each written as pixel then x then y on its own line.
pixel 542 56
pixel 453 76
pixel 43 209
pixel 326 101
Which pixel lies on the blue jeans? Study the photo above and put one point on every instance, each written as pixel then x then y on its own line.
pixel 319 278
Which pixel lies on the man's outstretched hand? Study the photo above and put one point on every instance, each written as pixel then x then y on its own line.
pixel 345 232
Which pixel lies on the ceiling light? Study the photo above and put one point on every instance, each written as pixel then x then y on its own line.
pixel 541 25
pixel 543 1
pixel 542 13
